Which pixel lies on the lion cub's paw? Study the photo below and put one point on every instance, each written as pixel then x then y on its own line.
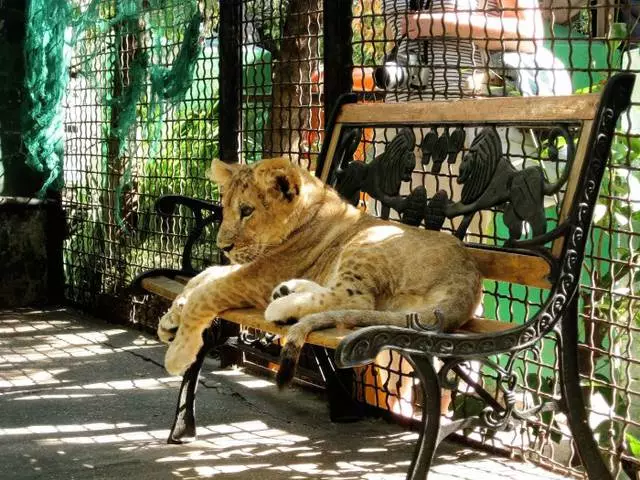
pixel 289 299
pixel 280 311
pixel 170 321
pixel 182 353
pixel 288 310
pixel 296 285
pixel 166 335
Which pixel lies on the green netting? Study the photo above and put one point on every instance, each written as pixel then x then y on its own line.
pixel 54 27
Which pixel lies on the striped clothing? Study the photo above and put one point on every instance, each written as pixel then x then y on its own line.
pixel 450 61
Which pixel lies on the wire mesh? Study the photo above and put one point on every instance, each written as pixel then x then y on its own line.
pixel 445 49
pixel 282 80
pixel 114 231
pixel 452 49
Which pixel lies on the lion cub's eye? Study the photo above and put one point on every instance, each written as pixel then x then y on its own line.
pixel 246 211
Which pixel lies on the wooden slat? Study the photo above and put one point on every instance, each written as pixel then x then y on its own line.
pixel 512 267
pixel 574 178
pixel 170 289
pixel 254 318
pixel 482 325
pixel 335 136
pixel 576 170
pixel 163 286
pixel 468 111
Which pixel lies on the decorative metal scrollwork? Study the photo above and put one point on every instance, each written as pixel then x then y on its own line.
pixel 415 322
pixel 441 147
pixel 488 179
pixel 418 208
pixel 348 172
pixel 382 177
pixel 564 287
pixel 502 398
pixel 558 314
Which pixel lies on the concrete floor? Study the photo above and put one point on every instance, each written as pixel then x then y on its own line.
pixel 83 399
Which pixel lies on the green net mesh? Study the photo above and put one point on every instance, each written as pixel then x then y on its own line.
pixel 54 27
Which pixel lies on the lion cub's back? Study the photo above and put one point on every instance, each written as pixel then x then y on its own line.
pixel 399 249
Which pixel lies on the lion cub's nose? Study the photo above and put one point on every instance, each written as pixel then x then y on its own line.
pixel 226 248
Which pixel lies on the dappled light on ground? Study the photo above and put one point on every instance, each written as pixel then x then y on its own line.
pixel 83 399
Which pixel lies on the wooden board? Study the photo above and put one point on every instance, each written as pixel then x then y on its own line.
pixel 162 286
pixel 572 181
pixel 333 144
pixel 254 318
pixel 529 110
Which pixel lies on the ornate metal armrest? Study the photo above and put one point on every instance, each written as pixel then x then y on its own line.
pixel 362 346
pixel 204 213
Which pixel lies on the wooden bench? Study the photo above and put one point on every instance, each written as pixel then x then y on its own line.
pixel 548 257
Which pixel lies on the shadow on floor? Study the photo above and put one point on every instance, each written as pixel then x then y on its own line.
pixel 85 399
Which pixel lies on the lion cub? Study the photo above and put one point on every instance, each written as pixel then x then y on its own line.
pixel 307 256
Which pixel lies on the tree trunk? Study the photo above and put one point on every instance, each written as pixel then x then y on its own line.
pixel 116 204
pixel 289 124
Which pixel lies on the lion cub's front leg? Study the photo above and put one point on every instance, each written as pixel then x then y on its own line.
pixel 170 321
pixel 200 305
pixel 195 318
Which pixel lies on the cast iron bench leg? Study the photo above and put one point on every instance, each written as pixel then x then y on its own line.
pixel 343 408
pixel 184 424
pixel 428 440
pixel 573 397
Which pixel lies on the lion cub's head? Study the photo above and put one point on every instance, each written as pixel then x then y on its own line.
pixel 260 206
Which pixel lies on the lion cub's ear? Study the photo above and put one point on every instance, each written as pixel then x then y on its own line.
pixel 220 172
pixel 280 177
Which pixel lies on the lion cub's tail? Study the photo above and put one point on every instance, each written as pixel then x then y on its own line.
pixel 297 334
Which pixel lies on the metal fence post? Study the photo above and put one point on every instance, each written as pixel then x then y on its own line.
pixel 230 78
pixel 338 60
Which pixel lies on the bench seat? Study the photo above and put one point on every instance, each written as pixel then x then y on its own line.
pixel 254 318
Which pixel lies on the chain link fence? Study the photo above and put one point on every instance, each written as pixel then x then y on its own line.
pixel 268 72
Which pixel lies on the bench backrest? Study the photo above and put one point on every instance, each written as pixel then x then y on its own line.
pixel 535 162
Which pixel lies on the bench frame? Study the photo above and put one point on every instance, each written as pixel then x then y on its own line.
pixel 556 267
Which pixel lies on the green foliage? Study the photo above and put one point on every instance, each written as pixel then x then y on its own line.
pixel 618 32
pixel 617 215
pixel 270 16
pixel 165 127
pixel 582 22
pixel 189 145
pixel 617 278
pixel 634 445
pixel 368 38
pixel 613 268
pixel 54 27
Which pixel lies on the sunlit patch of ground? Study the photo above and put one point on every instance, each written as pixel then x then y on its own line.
pixel 84 399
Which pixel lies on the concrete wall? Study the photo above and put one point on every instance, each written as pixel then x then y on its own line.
pixel 31 233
